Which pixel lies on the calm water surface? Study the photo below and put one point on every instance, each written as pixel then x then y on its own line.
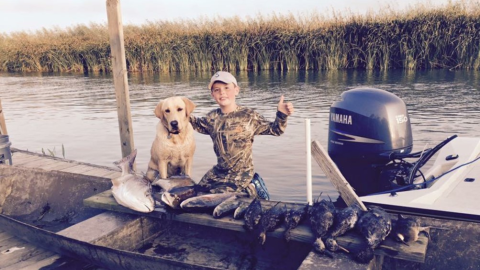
pixel 44 111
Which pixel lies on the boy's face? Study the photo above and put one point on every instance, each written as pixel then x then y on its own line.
pixel 224 94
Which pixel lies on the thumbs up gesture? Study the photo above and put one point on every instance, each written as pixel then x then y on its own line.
pixel 286 108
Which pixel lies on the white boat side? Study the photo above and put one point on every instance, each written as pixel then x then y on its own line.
pixel 450 193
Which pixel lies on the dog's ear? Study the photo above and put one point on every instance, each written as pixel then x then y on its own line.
pixel 158 110
pixel 189 106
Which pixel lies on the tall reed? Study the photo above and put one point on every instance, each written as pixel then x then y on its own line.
pixel 419 38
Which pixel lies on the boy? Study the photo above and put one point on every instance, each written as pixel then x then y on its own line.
pixel 232 128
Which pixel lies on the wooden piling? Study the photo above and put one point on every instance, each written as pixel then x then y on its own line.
pixel 3 125
pixel 120 76
pixel 335 176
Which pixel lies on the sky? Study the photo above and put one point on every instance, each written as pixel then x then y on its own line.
pixel 32 15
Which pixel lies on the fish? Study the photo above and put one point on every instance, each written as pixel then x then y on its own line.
pixel 269 221
pixel 293 217
pixel 205 201
pixel 407 230
pixel 374 225
pixel 321 215
pixel 176 195
pixel 227 206
pixel 252 215
pixel 174 182
pixel 343 221
pixel 240 211
pixel 131 190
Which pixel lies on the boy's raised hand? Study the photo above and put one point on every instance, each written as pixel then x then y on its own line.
pixel 286 108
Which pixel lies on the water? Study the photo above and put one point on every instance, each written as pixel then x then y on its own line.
pixel 46 111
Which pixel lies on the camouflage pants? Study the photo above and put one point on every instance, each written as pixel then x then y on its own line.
pixel 217 184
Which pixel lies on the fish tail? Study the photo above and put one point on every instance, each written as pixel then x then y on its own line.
pixel 126 163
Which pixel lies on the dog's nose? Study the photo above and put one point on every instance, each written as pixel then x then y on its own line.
pixel 174 123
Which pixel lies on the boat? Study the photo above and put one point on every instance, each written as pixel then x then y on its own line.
pixel 57 220
pixel 449 189
pixel 371 142
pixel 76 216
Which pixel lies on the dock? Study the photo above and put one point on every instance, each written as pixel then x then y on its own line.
pixel 28 159
pixel 19 254
pixel 29 255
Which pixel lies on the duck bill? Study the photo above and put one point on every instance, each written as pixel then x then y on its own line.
pixel 344 249
pixel 400 238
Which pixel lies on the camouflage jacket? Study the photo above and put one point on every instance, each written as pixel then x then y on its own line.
pixel 232 135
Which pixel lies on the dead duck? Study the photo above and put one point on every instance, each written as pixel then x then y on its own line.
pixel 270 220
pixel 321 215
pixel 344 220
pixel 228 206
pixel 374 225
pixel 252 215
pixel 242 207
pixel 293 217
pixel 407 230
pixel 176 195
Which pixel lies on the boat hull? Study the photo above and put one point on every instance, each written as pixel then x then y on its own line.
pixel 99 255
pixel 452 196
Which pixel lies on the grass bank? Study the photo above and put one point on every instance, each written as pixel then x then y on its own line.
pixel 420 38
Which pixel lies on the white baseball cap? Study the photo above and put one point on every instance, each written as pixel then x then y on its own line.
pixel 222 76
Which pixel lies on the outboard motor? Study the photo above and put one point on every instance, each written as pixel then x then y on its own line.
pixel 368 127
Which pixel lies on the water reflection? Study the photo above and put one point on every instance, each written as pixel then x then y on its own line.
pixel 48 110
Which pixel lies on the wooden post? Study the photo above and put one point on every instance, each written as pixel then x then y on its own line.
pixel 309 161
pixel 3 125
pixel 120 76
pixel 335 176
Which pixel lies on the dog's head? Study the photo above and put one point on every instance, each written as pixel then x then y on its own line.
pixel 174 113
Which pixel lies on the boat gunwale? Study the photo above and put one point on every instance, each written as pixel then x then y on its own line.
pixel 99 255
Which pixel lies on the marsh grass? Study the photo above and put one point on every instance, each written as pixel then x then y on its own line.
pixel 419 38
pixel 53 152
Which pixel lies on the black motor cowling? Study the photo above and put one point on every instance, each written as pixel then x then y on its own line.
pixel 367 127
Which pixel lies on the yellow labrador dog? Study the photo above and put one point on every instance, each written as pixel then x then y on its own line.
pixel 174 145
